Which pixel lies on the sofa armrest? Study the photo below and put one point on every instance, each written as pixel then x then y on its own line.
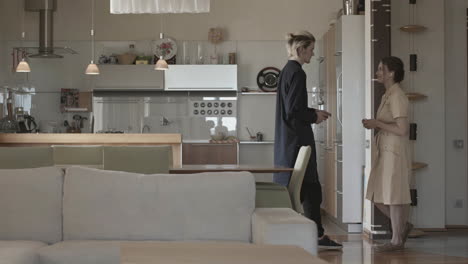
pixel 284 226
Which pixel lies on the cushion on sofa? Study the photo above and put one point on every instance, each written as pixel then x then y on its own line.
pixel 81 252
pixel 114 205
pixel 138 159
pixel 25 157
pixel 20 252
pixel 83 155
pixel 31 204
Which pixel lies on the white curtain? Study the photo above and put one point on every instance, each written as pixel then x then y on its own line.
pixel 159 6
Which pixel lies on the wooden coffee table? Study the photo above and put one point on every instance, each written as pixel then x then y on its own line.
pixel 212 253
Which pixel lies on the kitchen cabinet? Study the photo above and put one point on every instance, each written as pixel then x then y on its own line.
pixel 209 153
pixel 201 78
pixel 128 78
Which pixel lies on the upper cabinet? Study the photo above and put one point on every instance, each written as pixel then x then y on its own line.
pixel 129 78
pixel 201 78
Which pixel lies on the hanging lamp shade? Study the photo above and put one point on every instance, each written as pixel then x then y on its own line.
pixel 23 66
pixel 159 6
pixel 92 69
pixel 161 65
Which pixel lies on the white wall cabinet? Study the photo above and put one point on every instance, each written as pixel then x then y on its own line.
pixel 201 78
pixel 128 78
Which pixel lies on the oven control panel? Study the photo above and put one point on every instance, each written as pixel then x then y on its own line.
pixel 219 108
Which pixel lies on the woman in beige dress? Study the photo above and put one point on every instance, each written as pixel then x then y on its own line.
pixel 389 182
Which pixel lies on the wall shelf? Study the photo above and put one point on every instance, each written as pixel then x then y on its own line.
pixel 258 93
pixel 415 96
pixel 418 165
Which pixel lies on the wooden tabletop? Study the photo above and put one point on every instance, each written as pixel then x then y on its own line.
pixel 212 253
pixel 227 167
pixel 84 138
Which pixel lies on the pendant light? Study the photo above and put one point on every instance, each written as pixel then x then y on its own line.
pixel 161 64
pixel 23 66
pixel 92 68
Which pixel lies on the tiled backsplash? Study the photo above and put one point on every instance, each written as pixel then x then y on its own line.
pixel 167 112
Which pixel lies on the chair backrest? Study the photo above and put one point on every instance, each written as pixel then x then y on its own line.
pixel 294 187
pixel 138 159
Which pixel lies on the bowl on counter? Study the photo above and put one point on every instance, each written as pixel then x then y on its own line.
pixel 218 136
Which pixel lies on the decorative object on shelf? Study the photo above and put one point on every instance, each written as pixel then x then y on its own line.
pixel 128 57
pixel 232 57
pixel 267 79
pixel 92 68
pixel 215 36
pixel 165 48
pixel 159 6
pixel 143 59
pixel 415 96
pixel 69 98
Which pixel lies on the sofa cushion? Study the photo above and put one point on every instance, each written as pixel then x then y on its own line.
pixel 115 205
pixel 25 157
pixel 31 204
pixel 138 159
pixel 81 252
pixel 19 252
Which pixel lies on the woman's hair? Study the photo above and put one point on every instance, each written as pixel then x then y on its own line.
pixel 302 39
pixel 395 65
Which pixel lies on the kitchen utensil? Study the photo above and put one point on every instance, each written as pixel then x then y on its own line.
pixel 27 125
pixel 9 124
pixel 252 137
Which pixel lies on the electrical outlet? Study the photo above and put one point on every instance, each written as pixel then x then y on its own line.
pixel 458 203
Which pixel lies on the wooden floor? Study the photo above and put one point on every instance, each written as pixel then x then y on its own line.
pixel 433 248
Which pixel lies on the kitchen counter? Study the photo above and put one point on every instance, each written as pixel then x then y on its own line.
pixel 17 140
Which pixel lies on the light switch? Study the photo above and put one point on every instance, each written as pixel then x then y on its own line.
pixel 458 143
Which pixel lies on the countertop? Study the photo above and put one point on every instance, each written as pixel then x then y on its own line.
pixel 84 138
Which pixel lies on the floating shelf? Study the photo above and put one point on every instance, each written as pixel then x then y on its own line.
pixel 258 93
pixel 413 28
pixel 418 165
pixel 415 96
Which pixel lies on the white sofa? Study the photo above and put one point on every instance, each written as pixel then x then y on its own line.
pixel 82 215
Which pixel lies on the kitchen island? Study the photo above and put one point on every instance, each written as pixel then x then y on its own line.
pixel 41 139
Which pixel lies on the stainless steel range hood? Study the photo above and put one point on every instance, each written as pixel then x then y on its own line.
pixel 46 9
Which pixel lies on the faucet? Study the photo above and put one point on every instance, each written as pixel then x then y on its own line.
pixel 145 127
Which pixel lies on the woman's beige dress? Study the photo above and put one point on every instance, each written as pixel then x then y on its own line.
pixel 389 180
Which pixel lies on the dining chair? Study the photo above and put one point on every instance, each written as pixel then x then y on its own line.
pixel 276 191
